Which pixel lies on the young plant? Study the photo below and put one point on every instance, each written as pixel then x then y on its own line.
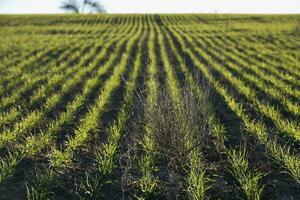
pixel 8 165
pixel 248 180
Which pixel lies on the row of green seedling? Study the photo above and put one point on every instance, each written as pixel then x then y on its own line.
pixel 284 125
pixel 107 154
pixel 282 155
pixel 90 122
pixel 53 82
pixel 35 143
pixel 148 182
pixel 196 180
pixel 259 82
pixel 43 73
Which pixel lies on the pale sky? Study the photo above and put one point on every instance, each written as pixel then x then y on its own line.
pixel 161 6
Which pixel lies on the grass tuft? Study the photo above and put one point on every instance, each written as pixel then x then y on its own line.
pixel 248 180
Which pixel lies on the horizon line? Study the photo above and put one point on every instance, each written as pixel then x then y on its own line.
pixel 124 13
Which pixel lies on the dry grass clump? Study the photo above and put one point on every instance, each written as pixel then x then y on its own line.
pixel 179 131
pixel 177 124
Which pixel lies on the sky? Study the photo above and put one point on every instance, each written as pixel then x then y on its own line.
pixel 160 6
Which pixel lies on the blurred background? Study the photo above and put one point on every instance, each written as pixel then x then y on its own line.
pixel 159 6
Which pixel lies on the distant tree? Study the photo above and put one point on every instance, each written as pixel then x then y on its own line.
pixel 83 6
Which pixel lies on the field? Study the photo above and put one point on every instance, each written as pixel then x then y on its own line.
pixel 150 107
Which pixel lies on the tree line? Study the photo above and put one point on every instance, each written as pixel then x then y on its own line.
pixel 83 6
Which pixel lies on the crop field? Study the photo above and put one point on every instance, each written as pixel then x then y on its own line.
pixel 150 106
